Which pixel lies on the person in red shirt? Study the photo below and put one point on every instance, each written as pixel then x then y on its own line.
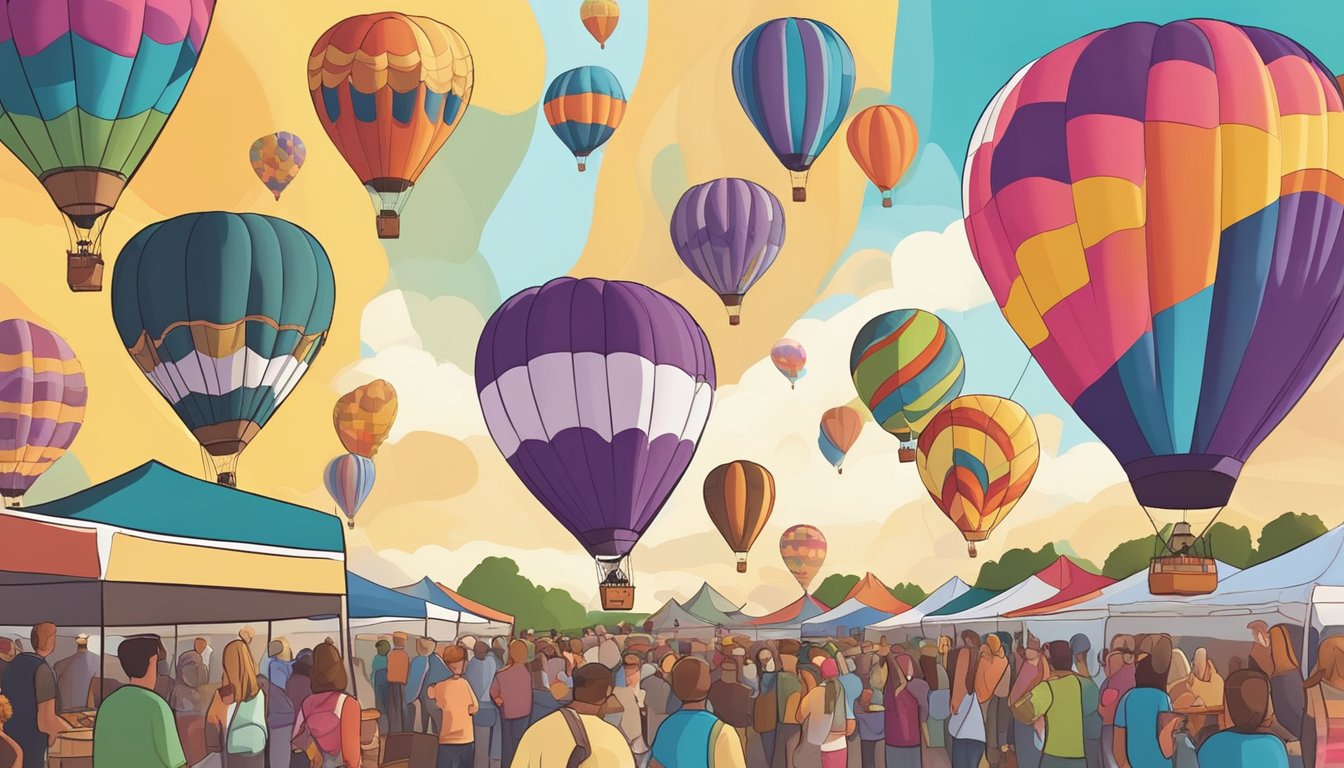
pixel 512 693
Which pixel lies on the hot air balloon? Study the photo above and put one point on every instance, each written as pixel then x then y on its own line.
pixel 41 404
pixel 390 89
pixel 276 159
pixel 840 427
pixel 584 107
pixel 976 458
pixel 363 417
pixel 224 313
pixel 804 550
pixel 596 392
pixel 739 497
pixel 794 78
pixel 883 140
pixel 728 233
pixel 906 365
pixel 790 359
pixel 599 17
pixel 1173 258
pixel 349 479
pixel 88 88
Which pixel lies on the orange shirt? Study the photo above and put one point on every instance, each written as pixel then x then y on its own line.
pixel 458 702
pixel 398 666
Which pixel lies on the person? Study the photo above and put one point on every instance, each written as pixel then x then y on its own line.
pixel 554 739
pixel 827 719
pixel 1081 647
pixel 9 648
pixel 731 699
pixel 378 678
pixel 328 724
pixel 1119 666
pixel 1247 697
pixel 280 715
pixel 193 674
pixel 435 671
pixel 1092 749
pixel 1278 661
pixel 135 726
pixel 11 754
pixel 74 673
pixel 1141 739
pixel 1323 728
pixel 30 685
pixel 398 669
pixel 456 704
pixel 788 692
pixel 279 661
pixel 693 737
pixel 1178 681
pixel 512 693
pixel 966 725
pixel 1030 672
pixel 300 685
pixel 870 720
pixel 628 698
pixel 480 673
pixel 931 671
pixel 765 707
pixel 991 690
pixel 1205 682
pixel 905 702
pixel 415 686
pixel 1058 699
pixel 236 718
pixel 657 691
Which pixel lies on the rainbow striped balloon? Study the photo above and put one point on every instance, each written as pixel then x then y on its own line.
pixel 906 365
pixel 584 106
pixel 42 399
pixel 804 551
pixel 976 457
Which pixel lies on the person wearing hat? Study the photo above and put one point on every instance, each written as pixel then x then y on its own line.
pixel 398 670
pixel 693 737
pixel 74 673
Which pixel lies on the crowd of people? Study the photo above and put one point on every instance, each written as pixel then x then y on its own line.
pixel 625 700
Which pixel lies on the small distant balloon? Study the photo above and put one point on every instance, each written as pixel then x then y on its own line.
pixel 840 428
pixel 883 140
pixel 363 417
pixel 349 479
pixel 790 359
pixel 584 107
pixel 276 159
pixel 600 17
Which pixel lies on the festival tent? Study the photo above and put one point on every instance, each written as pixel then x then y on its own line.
pixel 954 595
pixel 1060 580
pixel 673 620
pixel 471 617
pixel 787 622
pixel 868 602
pixel 713 608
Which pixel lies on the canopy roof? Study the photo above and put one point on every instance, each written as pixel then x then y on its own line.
pixel 1074 584
pixel 951 590
pixel 1061 580
pixel 435 593
pixel 965 601
pixel 793 614
pixel 673 617
pixel 842 620
pixel 711 606
pixel 873 593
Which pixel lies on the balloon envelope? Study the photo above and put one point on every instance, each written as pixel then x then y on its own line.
pixel 276 159
pixel 599 17
pixel 349 479
pixel 739 497
pixel 976 458
pixel 790 359
pixel 883 140
pixel 363 417
pixel 1156 210
pixel 794 78
pixel 596 392
pixel 803 549
pixel 584 107
pixel 728 232
pixel 42 398
pixel 840 428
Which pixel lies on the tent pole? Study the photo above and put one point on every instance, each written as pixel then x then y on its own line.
pixel 177 643
pixel 348 643
pixel 102 641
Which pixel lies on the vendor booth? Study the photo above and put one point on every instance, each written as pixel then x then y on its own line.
pixel 900 627
pixel 472 618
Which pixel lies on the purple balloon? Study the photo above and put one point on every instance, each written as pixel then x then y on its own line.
pixel 596 392
pixel 728 232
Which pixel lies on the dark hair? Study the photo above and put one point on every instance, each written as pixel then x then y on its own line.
pixel 690 679
pixel 136 653
pixel 591 683
pixel 328 671
pixel 1060 654
pixel 1247 697
pixel 1147 675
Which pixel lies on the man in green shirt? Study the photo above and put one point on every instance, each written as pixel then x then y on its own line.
pixel 1060 699
pixel 134 727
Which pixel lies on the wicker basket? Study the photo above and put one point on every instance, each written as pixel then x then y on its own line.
pixel 1182 575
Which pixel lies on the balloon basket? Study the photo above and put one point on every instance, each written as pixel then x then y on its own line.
pixel 617 598
pixel 83 272
pixel 1182 575
pixel 350 525
pixel 800 194
pixel 906 455
pixel 886 202
pixel 229 479
pixel 741 562
pixel 389 226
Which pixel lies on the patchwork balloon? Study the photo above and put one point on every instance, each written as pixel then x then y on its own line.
pixel 363 417
pixel 584 107
pixel 349 479
pixel 43 394
pixel 276 159
pixel 739 497
pixel 790 359
pixel 803 549
pixel 840 428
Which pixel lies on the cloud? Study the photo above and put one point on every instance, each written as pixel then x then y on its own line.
pixel 931 270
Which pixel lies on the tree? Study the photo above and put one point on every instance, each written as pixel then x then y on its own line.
pixel 1014 566
pixel 833 590
pixel 1129 558
pixel 1232 545
pixel 496 582
pixel 909 593
pixel 1287 532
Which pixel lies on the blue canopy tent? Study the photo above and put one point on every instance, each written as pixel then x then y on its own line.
pixel 469 615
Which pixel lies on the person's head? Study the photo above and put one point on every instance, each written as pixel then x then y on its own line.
pixel 665 665
pixel 1200 664
pixel 789 648
pixel 1149 673
pixel 139 657
pixel 328 673
pixel 994 646
pixel 200 644
pixel 82 642
pixel 592 684
pixel 424 646
pixel 43 638
pixel 240 671
pixel 480 651
pixel 455 658
pixel 829 669
pixel 399 640
pixel 382 647
pixel 1281 649
pixel 1329 662
pixel 729 670
pixel 1081 647
pixel 905 664
pixel 1059 656
pixel 1246 696
pixel 970 639
pixel 518 652
pixel 690 679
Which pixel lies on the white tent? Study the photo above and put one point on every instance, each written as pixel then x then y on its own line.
pixel 840 621
pixel 905 622
pixel 985 617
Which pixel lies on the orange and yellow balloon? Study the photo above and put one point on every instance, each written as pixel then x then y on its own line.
pixel 840 428
pixel 600 17
pixel 883 140
pixel 803 549
pixel 363 417
pixel 739 497
pixel 276 159
pixel 976 458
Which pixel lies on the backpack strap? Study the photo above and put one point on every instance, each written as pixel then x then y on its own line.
pixel 582 748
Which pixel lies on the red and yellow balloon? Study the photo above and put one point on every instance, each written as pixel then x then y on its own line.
pixel 363 417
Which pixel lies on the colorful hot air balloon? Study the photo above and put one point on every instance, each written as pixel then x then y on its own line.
pixel 795 78
pixel 883 140
pixel 739 497
pixel 906 365
pixel 390 89
pixel 584 107
pixel 728 233
pixel 790 359
pixel 42 403
pixel 363 417
pixel 224 313
pixel 88 87
pixel 349 479
pixel 599 17
pixel 976 458
pixel 276 159
pixel 840 427
pixel 804 550
pixel 596 392
pixel 1172 253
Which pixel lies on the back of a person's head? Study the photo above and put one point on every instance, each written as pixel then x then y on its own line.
pixel 1246 696
pixel 454 654
pixel 690 679
pixel 43 637
pixel 518 652
pixel 1147 674
pixel 592 682
pixel 136 654
pixel 1060 654
pixel 328 670
pixel 382 647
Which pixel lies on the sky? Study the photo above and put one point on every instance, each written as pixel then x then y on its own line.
pixel 502 207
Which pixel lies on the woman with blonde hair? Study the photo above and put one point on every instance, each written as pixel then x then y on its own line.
pixel 1178 681
pixel 1323 728
pixel 235 722
pixel 1205 682
pixel 11 754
